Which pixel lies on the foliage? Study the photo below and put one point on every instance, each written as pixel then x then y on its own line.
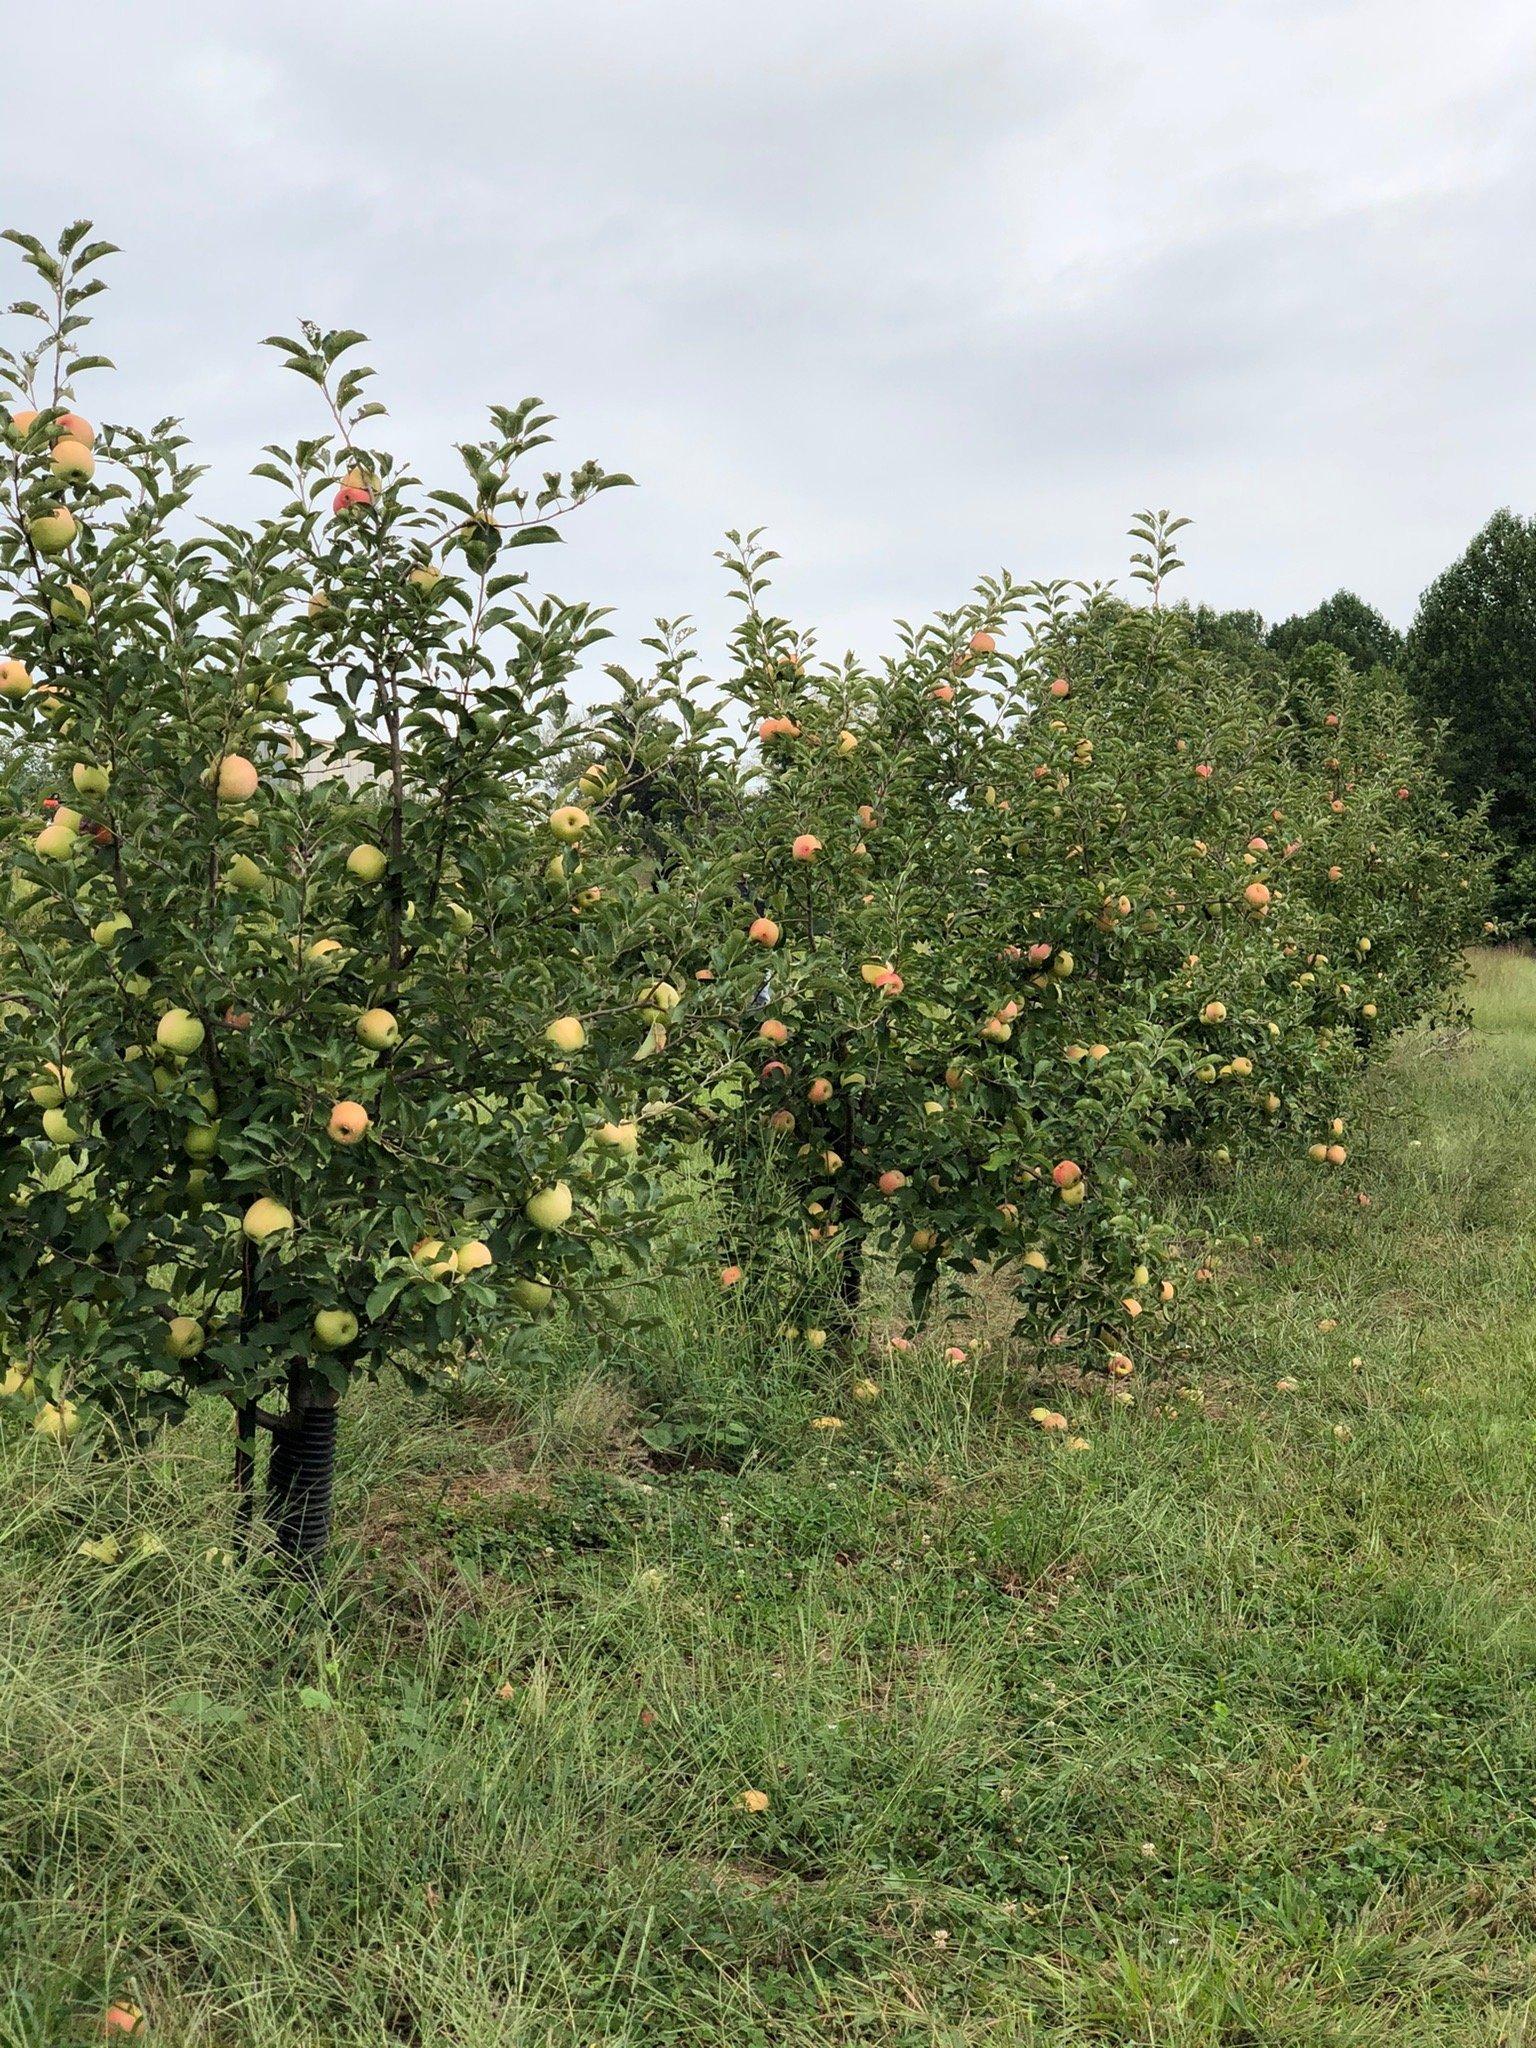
pixel 1471 661
pixel 1345 622
pixel 368 1001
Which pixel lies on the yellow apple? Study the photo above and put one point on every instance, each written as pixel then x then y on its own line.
pixel 60 1420
pixel 378 1030
pixel 568 822
pixel 550 1207
pixel 334 1328
pixel 56 841
pixel 367 863
pixel 566 1034
pixel 15 679
pixel 623 1137
pixel 532 1295
pixel 266 1218
pixel 472 1257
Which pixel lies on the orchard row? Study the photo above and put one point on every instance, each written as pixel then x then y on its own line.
pixel 362 1000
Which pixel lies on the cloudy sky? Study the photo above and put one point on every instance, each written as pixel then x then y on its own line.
pixel 928 287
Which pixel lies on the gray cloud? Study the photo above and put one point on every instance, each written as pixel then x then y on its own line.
pixel 927 289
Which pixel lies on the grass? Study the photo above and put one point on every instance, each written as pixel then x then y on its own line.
pixel 1219 1731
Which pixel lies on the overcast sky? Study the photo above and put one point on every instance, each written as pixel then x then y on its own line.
pixel 928 287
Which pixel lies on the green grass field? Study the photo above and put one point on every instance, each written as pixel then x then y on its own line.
pixel 1219 1730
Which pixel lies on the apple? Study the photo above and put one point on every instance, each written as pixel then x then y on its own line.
pixel 782 1120
pixel 1075 1194
pixel 847 742
pixel 367 863
pixel 15 679
pixel 983 643
pixel 806 846
pixel 550 1207
pixel 184 1336
pixel 351 497
pixel 659 1001
pixel 378 1030
pixel 566 1034
pixel 51 532
pixel 71 605
pixel 56 1085
pixel 179 1032
pixel 1334 1154
pixel 334 1328
pixel 58 1129
pixel 1062 966
pixel 326 954
pixel 763 932
pixel 200 1141
pixel 1066 1173
pixel 70 427
pixel 1061 687
pixel 943 693
pixel 235 780
pixel 1257 896
pixel 997 1030
pixel 624 1137
pixel 348 1122
pixel 56 842
pixel 774 1030
pixel 433 1257
pixel 891 1181
pixel 1214 1013
pixel 820 1090
pixel 425 577
pixel 568 822
pixel 72 462
pixel 266 1218
pixel 532 1295
pixel 58 1419
pixel 22 423
pixel 730 1276
pixel 247 876
pixel 89 779
pixel 472 1257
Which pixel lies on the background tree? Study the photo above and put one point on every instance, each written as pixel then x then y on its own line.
pixel 1346 622
pixel 1471 664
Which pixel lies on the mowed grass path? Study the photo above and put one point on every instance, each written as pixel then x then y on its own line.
pixel 1221 1730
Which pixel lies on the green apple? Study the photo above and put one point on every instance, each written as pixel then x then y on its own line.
pixel 52 532
pixel 334 1328
pixel 179 1032
pixel 184 1336
pixel 550 1207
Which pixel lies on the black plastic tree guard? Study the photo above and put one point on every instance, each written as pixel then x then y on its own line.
pixel 301 1480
